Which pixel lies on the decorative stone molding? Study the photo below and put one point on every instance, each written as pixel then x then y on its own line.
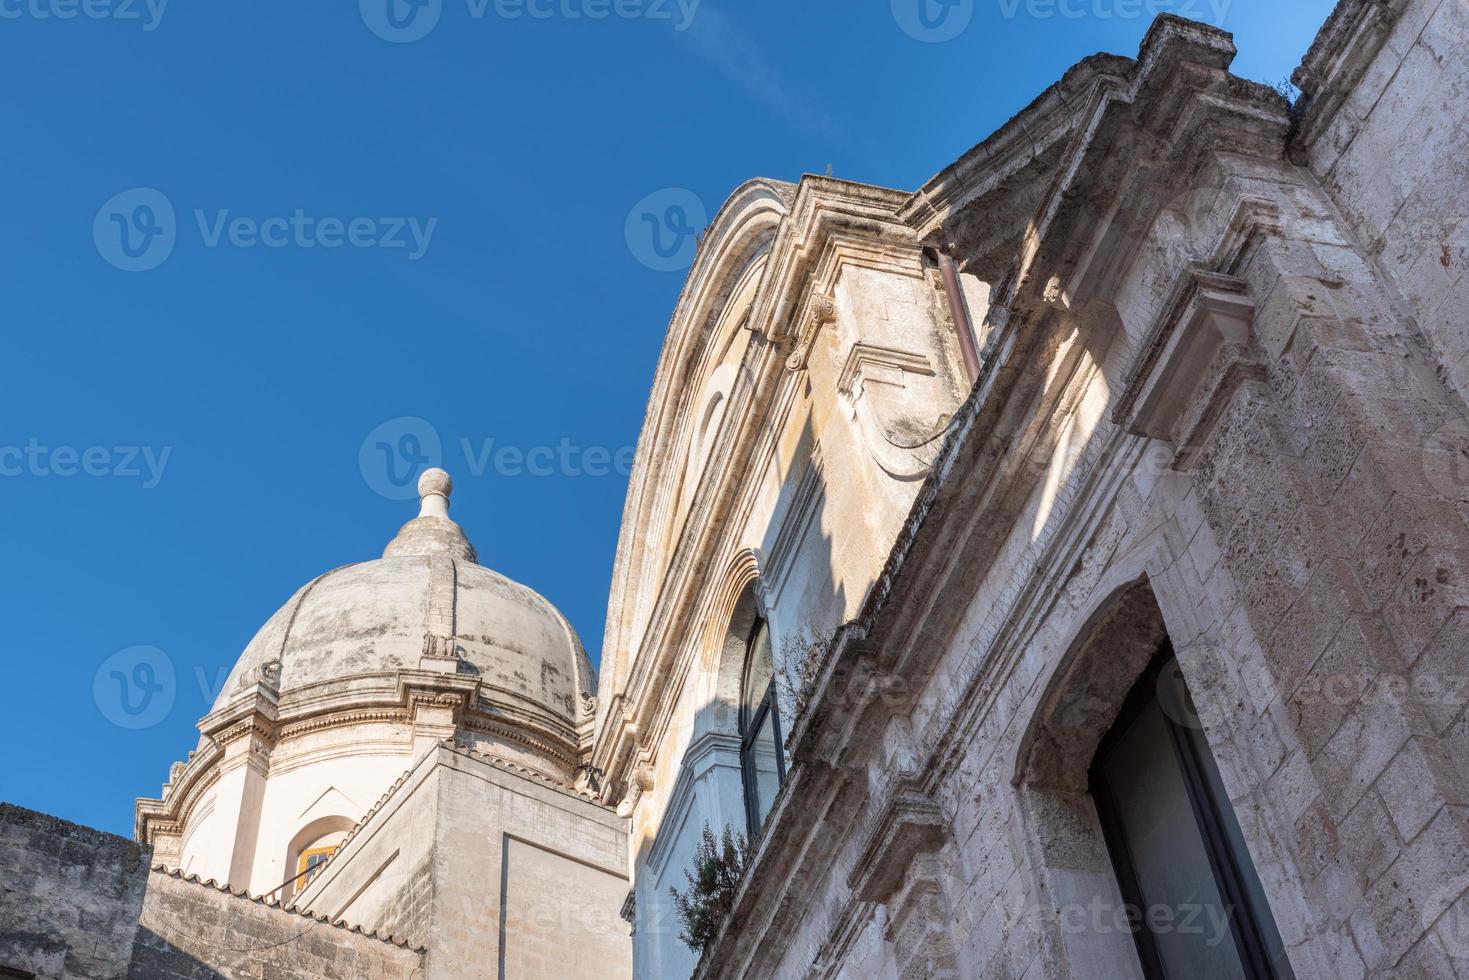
pixel 562 752
pixel 440 654
pixel 343 719
pixel 910 824
pixel 1196 356
pixel 639 783
pixel 881 365
pixel 821 310
pixel 902 447
pixel 919 925
pixel 1343 52
pixel 629 910
pixel 711 752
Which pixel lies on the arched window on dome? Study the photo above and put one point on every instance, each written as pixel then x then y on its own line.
pixel 310 849
pixel 762 759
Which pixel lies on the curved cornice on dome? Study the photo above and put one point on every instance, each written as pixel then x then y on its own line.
pixel 345 703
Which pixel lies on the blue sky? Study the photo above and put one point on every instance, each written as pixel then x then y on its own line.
pixel 384 238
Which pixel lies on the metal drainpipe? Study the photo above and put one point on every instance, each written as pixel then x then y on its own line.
pixel 959 310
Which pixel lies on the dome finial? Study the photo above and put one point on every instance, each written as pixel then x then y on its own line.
pixel 432 532
pixel 434 488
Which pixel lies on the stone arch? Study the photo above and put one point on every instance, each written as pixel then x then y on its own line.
pixel 722 664
pixel 730 263
pixel 323 831
pixel 1068 857
pixel 1087 688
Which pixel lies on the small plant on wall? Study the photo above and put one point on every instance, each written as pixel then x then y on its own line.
pixel 713 880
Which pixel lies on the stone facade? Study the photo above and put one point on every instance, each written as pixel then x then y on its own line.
pixel 70 897
pixel 78 904
pixel 1166 362
pixel 1220 403
pixel 495 869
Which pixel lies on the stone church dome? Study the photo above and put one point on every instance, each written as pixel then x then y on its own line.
pixel 426 597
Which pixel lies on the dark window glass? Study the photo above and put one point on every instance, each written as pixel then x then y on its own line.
pixel 1195 902
pixel 761 758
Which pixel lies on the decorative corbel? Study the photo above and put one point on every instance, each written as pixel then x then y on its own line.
pixel 435 702
pixel 640 782
pixel 440 654
pixel 821 310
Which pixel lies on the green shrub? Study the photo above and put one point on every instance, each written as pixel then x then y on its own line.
pixel 713 881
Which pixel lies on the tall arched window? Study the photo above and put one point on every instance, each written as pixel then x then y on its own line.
pixel 761 758
pixel 1196 905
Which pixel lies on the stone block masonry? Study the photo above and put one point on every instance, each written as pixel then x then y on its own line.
pixel 80 903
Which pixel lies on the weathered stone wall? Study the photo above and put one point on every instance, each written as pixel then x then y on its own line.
pixel 1388 135
pixel 70 897
pixel 196 930
pixel 79 903
pixel 1231 433
pixel 383 876
pixel 490 866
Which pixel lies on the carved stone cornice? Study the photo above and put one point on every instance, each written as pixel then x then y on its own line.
pixel 909 823
pixel 867 362
pixel 342 719
pixel 544 743
pixel 256 724
pixel 1192 361
pixel 1340 56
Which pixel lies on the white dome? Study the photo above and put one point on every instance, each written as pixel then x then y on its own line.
pixel 427 596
